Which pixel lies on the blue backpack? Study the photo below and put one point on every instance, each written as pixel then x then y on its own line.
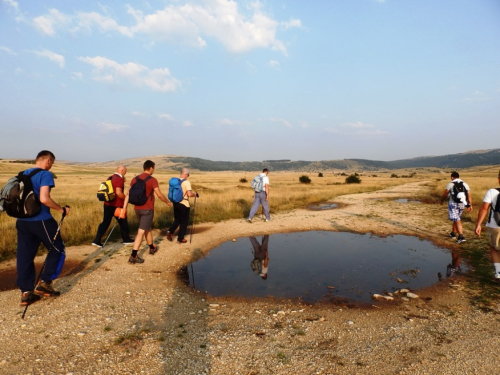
pixel 175 194
pixel 258 184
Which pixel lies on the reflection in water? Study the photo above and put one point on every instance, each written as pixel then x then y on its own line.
pixel 260 260
pixel 319 266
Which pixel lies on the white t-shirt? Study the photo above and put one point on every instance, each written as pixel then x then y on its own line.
pixel 491 198
pixel 460 196
pixel 265 180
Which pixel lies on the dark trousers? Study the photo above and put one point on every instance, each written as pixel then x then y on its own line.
pixel 109 213
pixel 30 234
pixel 181 217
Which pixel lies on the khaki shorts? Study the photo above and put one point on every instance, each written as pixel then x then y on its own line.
pixel 494 238
pixel 145 218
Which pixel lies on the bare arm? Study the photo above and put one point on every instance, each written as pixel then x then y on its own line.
pixel 444 196
pixel 119 193
pixel 267 192
pixel 160 196
pixel 483 211
pixel 49 202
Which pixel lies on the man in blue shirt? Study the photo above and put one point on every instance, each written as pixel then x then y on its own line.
pixel 33 231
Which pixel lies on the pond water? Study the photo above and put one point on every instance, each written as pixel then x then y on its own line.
pixel 318 266
pixel 405 200
pixel 323 206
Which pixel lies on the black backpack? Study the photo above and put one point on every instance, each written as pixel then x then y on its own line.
pixel 495 211
pixel 458 187
pixel 137 193
pixel 17 197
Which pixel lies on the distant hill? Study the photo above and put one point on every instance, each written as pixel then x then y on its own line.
pixel 174 162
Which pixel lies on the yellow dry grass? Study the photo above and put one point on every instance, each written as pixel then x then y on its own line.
pixel 222 195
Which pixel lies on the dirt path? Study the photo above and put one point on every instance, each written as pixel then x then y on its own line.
pixel 117 318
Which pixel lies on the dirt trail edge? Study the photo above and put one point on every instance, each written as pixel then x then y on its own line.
pixel 118 318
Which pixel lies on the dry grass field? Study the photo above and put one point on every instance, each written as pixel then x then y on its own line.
pixel 223 195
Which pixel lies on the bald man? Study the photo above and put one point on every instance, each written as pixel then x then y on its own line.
pixel 118 182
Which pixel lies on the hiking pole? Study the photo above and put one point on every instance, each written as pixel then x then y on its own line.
pixel 192 226
pixel 45 261
pixel 109 235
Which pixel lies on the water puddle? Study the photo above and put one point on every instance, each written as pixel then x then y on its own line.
pixel 318 266
pixel 323 206
pixel 405 200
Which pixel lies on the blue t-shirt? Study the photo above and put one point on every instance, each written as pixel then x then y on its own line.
pixel 42 178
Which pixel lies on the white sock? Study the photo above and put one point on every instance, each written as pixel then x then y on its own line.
pixel 497 267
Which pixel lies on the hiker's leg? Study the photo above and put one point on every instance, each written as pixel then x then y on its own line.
pixel 27 247
pixel 108 214
pixel 149 237
pixel 265 206
pixel 184 222
pixel 55 248
pixel 255 206
pixel 177 215
pixel 124 229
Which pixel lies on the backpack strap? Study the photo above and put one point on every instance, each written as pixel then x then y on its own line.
pixel 183 195
pixel 496 205
pixel 146 180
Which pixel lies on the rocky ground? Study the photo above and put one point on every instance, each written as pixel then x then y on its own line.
pixel 118 318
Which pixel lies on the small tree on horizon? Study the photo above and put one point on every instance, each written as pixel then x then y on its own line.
pixel 305 179
pixel 353 179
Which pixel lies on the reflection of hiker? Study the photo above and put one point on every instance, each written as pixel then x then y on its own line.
pixel 118 182
pixel 459 197
pixel 454 267
pixel 260 260
pixel 491 201
pixel 146 211
pixel 261 196
pixel 33 231
pixel 182 209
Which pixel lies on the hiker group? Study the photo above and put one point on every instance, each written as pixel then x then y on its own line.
pixel 27 197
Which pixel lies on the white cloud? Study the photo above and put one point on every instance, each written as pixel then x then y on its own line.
pixel 108 127
pixel 477 96
pixel 304 125
pixel 52 56
pixel 273 63
pixel 8 50
pixel 165 116
pixel 355 128
pixel 282 121
pixel 109 71
pixel 11 3
pixel 238 28
pixel 77 75
pixel 47 24
pixel 139 114
pixel 187 124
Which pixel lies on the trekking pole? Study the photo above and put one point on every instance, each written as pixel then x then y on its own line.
pixel 109 235
pixel 45 261
pixel 192 226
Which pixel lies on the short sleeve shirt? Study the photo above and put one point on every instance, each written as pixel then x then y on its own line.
pixel 151 185
pixel 118 182
pixel 42 178
pixel 186 186
pixel 265 179
pixel 449 187
pixel 491 197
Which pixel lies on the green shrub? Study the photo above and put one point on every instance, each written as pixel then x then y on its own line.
pixel 305 179
pixel 353 179
pixel 320 174
pixel 243 180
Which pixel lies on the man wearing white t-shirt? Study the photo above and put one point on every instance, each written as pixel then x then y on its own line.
pixel 261 197
pixel 489 202
pixel 459 199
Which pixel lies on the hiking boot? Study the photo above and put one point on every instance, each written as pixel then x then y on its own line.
pixel 153 250
pixel 267 220
pixel 128 241
pixel 453 235
pixel 135 260
pixel 27 298
pixel 45 289
pixel 461 238
pixel 97 243
pixel 249 220
pixel 170 236
pixel 182 241
pixel 497 276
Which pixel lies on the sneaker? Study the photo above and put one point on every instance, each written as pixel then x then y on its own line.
pixel 128 241
pixel 461 238
pixel 97 243
pixel 27 298
pixel 135 260
pixel 267 220
pixel 153 250
pixel 182 241
pixel 497 276
pixel 249 220
pixel 170 236
pixel 453 235
pixel 45 289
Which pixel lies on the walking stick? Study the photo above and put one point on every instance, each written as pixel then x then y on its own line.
pixel 45 261
pixel 192 226
pixel 109 235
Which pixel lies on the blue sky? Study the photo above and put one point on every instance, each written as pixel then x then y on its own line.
pixel 249 80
